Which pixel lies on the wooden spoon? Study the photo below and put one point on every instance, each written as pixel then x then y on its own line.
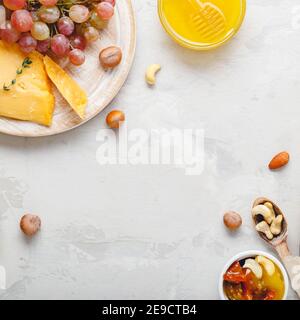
pixel 279 243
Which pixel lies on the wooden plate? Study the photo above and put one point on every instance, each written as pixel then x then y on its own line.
pixel 101 86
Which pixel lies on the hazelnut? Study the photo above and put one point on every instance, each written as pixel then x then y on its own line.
pixel 30 224
pixel 232 220
pixel 114 118
pixel 110 57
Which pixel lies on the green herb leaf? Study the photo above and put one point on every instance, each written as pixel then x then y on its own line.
pixel 25 64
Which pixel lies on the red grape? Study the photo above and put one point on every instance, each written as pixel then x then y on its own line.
pixel 9 33
pixel 60 45
pixel 49 14
pixel 43 46
pixel 29 24
pixel 65 26
pixel 91 34
pixel 2 15
pixel 77 57
pixel 112 2
pixel 40 31
pixel 105 10
pixel 48 3
pixel 96 22
pixel 78 42
pixel 21 20
pixel 79 13
pixel 27 43
pixel 14 4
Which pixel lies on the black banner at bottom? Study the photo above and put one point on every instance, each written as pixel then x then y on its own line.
pixel 94 310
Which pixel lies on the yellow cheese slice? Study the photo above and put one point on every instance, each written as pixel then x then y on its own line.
pixel 30 98
pixel 69 89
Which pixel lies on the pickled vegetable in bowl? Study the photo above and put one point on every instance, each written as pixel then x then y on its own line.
pixel 254 278
pixel 201 25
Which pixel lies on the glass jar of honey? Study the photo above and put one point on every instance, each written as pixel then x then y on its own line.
pixel 201 24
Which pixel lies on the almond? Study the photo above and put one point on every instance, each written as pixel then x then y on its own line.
pixel 280 160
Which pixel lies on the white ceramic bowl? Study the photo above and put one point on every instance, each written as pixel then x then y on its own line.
pixel 248 254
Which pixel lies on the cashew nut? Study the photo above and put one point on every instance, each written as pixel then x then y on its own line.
pixel 264 228
pixel 151 73
pixel 265 212
pixel 267 264
pixel 270 206
pixel 276 225
pixel 254 267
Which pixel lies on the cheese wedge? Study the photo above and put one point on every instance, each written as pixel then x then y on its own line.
pixel 69 89
pixel 30 98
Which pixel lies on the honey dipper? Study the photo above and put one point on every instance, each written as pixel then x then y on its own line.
pixel 209 21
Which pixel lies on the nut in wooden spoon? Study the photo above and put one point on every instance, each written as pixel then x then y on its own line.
pixel 271 225
pixel 270 222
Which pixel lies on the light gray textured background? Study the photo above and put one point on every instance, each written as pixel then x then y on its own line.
pixel 139 232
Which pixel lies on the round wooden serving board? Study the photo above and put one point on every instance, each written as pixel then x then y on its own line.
pixel 101 86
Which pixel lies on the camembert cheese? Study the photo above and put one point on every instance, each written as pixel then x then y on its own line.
pixel 68 88
pixel 30 98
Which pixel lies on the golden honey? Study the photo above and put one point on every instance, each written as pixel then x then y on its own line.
pixel 276 282
pixel 201 25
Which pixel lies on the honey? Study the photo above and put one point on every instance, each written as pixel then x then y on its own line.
pixel 275 282
pixel 201 25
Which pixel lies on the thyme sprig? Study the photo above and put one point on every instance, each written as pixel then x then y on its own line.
pixel 25 64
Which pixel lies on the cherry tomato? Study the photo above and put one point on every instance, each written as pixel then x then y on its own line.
pixel 235 273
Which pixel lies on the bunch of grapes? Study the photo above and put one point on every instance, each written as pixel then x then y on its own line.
pixel 63 26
